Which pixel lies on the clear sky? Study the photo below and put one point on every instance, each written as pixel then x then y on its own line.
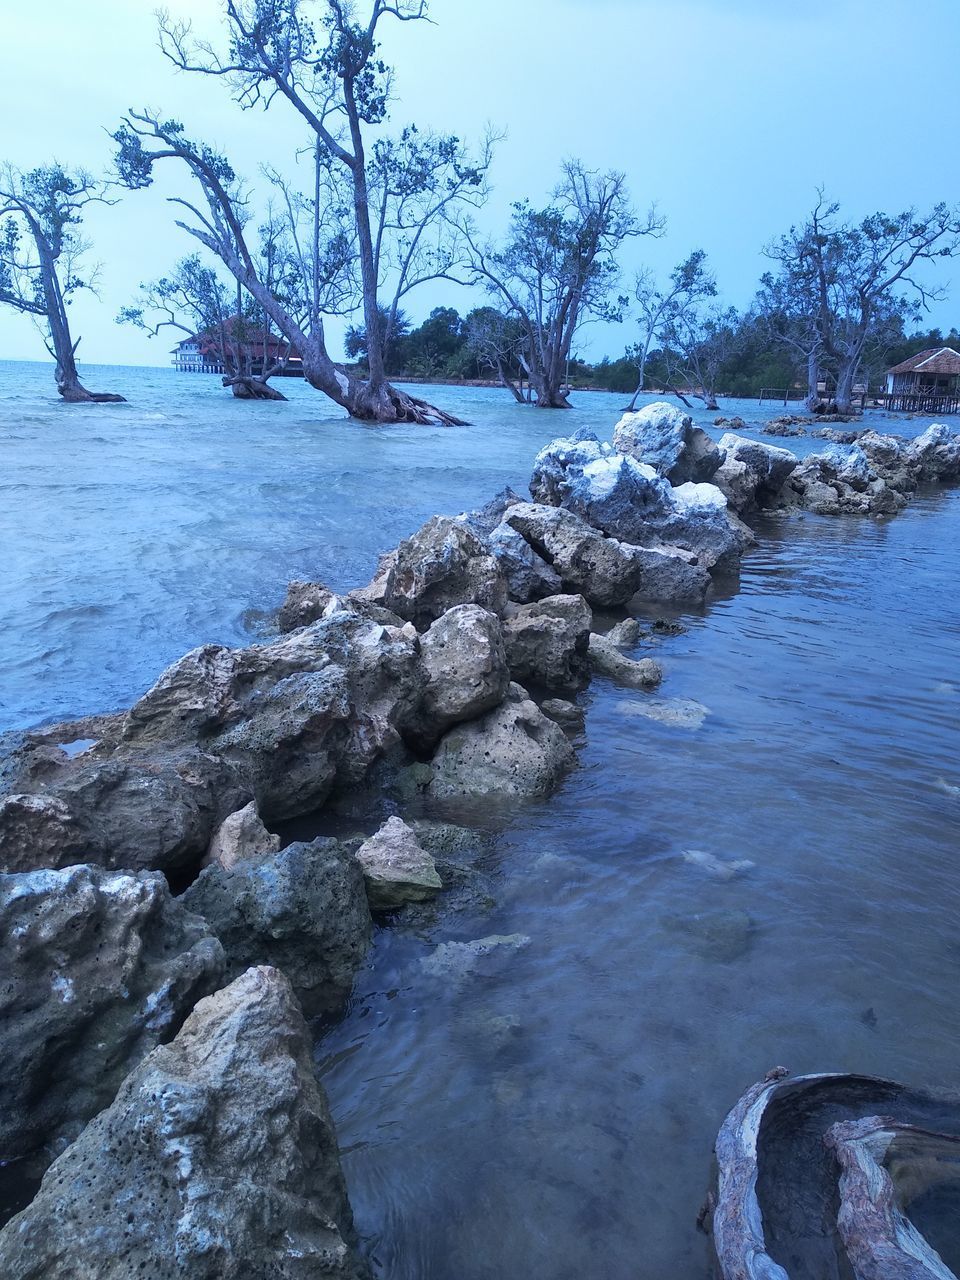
pixel 727 113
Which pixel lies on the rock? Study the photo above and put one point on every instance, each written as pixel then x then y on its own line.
pixel 600 569
pixel 628 501
pixel 396 867
pixel 98 967
pixel 685 713
pixel 570 454
pixel 442 565
pixel 665 438
pixel 836 435
pixel 626 634
pixel 305 602
pixel 718 935
pixel 464 666
pixel 449 844
pixel 607 660
pixel 294 718
pixel 547 642
pixel 132 813
pixel 488 517
pixel 566 714
pixel 783 427
pixel 936 455
pixel 717 867
pixel 514 750
pixel 375 592
pixel 529 576
pixel 456 960
pixel 217 1160
pixel 303 909
pixel 840 480
pixel 752 473
pixel 669 575
pixel 241 835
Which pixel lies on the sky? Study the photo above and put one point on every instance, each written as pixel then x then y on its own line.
pixel 728 114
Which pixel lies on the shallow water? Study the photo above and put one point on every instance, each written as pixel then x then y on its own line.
pixel 552 1113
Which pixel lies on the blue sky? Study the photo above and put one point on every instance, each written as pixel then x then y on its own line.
pixel 727 113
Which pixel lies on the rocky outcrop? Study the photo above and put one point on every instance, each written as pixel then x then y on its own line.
pixel 396 867
pixel 561 460
pixel 546 642
pixel 239 836
pixel 303 909
pixel 607 660
pixel 529 577
pixel 665 438
pixel 752 473
pixel 936 455
pixel 587 562
pixel 98 968
pixel 217 1160
pixel 464 666
pixel 514 751
pixel 840 480
pixel 442 565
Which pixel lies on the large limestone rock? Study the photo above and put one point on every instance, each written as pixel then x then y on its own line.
pixel 513 751
pixel 442 565
pixel 217 1160
pixel 605 573
pixel 628 501
pixel 561 459
pixel 241 835
pixel 546 642
pixel 98 968
pixel 529 577
pixel 464 667
pixel 752 473
pixel 396 867
pixel 304 910
pixel 295 718
pixel 669 575
pixel 129 812
pixel 936 455
pixel 665 438
pixel 840 481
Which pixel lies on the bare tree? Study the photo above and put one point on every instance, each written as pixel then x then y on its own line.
pixel 496 342
pixel 41 255
pixel 699 342
pixel 400 193
pixel 557 269
pixel 195 301
pixel 690 282
pixel 853 277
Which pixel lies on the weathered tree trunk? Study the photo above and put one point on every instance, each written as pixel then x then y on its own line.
pixel 73 390
pixel 247 387
pixel 813 377
pixel 508 383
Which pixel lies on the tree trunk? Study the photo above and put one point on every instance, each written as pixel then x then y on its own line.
pixel 506 382
pixel 813 377
pixel 844 392
pixel 74 392
pixel 247 387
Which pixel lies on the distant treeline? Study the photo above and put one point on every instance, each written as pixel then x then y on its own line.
pixel 451 347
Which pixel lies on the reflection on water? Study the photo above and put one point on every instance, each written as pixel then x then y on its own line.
pixel 551 1112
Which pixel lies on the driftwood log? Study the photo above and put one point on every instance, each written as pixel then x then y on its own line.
pixel 812 1185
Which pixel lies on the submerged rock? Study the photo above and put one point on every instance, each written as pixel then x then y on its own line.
pixel 454 960
pixel 98 968
pixel 665 438
pixel 669 575
pixel 217 1160
pixel 686 713
pixel 303 910
pixel 566 714
pixel 514 750
pixel 396 867
pixel 547 642
pixel 241 835
pixel 719 868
